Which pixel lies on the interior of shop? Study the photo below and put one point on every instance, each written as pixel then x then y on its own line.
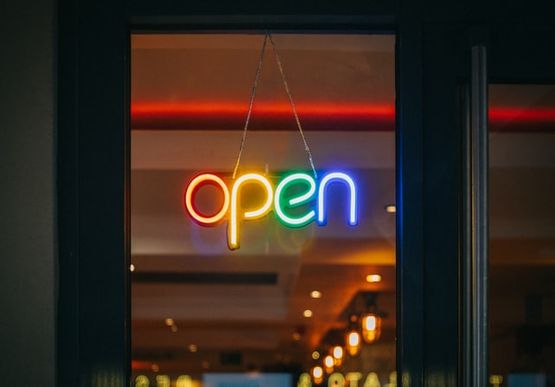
pixel 282 309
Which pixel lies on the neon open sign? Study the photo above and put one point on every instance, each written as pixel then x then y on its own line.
pixel 279 200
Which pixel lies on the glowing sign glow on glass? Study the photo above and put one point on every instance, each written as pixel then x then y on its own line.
pixel 283 201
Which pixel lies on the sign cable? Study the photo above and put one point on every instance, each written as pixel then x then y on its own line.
pixel 268 37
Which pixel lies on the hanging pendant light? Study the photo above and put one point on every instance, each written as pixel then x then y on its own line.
pixel 317 374
pixel 353 341
pixel 329 363
pixel 337 353
pixel 371 320
pixel 371 327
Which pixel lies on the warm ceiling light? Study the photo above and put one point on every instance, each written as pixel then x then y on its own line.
pixel 328 364
pixel 390 209
pixel 373 278
pixel 316 355
pixel 307 313
pixel 131 268
pixel 169 322
pixel 155 367
pixel 371 327
pixel 317 374
pixel 174 328
pixel 316 294
pixel 352 342
pixel 296 336
pixel 193 348
pixel 337 353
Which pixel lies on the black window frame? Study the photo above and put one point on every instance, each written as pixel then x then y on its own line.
pixel 432 61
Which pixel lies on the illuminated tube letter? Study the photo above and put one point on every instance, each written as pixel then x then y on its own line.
pixel 233 227
pixel 280 203
pixel 206 178
pixel 332 177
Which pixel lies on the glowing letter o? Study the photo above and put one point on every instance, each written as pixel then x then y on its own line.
pixel 206 178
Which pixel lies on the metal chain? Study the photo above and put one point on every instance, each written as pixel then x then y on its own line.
pixel 291 102
pixel 253 95
pixel 293 107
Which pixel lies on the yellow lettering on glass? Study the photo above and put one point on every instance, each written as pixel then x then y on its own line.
pixel 304 380
pixel 142 381
pixel 336 380
pixel 163 381
pixel 184 381
pixel 353 378
pixel 392 379
pixel 372 380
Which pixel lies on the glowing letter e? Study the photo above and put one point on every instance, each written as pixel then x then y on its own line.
pixel 233 227
pixel 332 177
pixel 280 203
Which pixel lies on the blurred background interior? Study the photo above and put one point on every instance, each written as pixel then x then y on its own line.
pixel 289 298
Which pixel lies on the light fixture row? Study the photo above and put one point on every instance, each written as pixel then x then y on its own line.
pixel 365 328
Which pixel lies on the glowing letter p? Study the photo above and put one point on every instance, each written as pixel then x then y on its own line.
pixel 233 227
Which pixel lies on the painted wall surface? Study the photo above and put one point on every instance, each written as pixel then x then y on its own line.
pixel 27 193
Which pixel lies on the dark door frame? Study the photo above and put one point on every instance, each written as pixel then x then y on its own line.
pixel 93 332
pixel 94 318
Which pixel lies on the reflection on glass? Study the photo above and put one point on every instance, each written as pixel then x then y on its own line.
pixel 522 235
pixel 266 295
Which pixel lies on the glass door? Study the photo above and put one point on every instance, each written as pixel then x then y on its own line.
pixel 521 299
pixel 512 174
pixel 304 292
pixel 522 234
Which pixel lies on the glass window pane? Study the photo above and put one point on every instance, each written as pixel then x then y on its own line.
pixel 270 311
pixel 522 235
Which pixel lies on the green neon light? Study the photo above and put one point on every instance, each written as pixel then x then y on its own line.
pixel 281 203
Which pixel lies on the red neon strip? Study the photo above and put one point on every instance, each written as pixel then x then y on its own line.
pixel 521 114
pixel 140 365
pixel 230 115
pixel 142 109
pixel 314 116
pixel 521 119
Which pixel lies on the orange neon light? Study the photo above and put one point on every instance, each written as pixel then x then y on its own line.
pixel 233 227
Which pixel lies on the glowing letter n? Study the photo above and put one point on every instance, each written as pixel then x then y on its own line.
pixel 333 177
